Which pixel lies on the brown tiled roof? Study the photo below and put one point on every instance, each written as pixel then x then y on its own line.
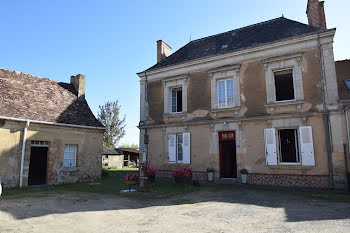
pixel 29 97
pixel 132 150
pixel 343 73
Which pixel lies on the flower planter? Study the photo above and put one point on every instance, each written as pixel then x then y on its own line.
pixel 131 182
pixel 210 176
pixel 152 179
pixel 183 180
pixel 244 178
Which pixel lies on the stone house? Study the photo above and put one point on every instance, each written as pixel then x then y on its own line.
pixel 262 97
pixel 48 134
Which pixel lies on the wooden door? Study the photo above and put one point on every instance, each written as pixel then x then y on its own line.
pixel 227 149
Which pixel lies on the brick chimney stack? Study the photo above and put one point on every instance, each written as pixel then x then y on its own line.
pixel 78 82
pixel 315 14
pixel 163 50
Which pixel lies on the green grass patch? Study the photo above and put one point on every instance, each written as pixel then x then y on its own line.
pixel 113 182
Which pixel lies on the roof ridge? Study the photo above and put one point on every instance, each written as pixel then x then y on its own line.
pixel 30 75
pixel 237 29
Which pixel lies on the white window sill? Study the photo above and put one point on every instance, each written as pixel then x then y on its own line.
pixel 287 102
pixel 225 109
pixel 290 167
pixel 175 114
pixel 71 169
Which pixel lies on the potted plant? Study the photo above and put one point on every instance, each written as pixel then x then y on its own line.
pixel 210 172
pixel 244 173
pixel 131 179
pixel 151 173
pixel 182 176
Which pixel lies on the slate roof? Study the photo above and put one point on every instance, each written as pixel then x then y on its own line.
pixel 130 150
pixel 29 97
pixel 250 36
pixel 107 151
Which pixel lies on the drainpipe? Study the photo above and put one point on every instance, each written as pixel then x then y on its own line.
pixel 23 150
pixel 325 116
pixel 145 151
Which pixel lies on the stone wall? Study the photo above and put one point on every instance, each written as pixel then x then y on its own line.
pixel 89 144
pixel 289 180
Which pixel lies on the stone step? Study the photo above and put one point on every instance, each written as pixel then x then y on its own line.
pixel 227 181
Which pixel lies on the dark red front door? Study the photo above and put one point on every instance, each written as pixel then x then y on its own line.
pixel 227 147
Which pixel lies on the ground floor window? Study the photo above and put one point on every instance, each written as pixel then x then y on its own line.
pixel 288 146
pixel 70 155
pixel 179 148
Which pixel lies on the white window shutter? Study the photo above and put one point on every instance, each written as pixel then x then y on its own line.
pixel 172 148
pixel 270 146
pixel 186 148
pixel 306 146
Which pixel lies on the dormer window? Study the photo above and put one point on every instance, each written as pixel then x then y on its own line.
pixel 347 83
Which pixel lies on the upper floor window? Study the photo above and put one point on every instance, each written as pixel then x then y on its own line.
pixel 175 95
pixel 347 83
pixel 225 87
pixel 284 80
pixel 284 85
pixel 225 93
pixel 176 100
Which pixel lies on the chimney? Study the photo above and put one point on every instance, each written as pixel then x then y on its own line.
pixel 163 50
pixel 315 14
pixel 78 82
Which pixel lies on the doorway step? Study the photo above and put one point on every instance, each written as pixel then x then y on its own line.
pixel 227 181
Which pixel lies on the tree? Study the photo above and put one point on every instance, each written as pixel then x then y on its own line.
pixel 108 115
pixel 127 145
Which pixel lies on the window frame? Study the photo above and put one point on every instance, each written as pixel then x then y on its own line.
pixel 297 148
pixel 173 83
pixel 226 91
pixel 70 159
pixel 171 99
pixel 274 83
pixel 279 63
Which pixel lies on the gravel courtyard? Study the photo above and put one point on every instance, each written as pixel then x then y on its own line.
pixel 240 210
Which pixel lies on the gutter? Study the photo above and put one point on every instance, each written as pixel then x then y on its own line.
pixel 23 150
pixel 325 116
pixel 50 123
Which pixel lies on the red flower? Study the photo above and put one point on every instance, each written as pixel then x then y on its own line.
pixel 151 171
pixel 132 176
pixel 185 172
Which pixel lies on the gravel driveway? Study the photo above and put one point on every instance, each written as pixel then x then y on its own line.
pixel 242 210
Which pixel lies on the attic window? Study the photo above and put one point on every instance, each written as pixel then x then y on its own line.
pixel 347 83
pixel 225 46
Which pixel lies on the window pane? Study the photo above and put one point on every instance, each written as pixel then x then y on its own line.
pixel 173 101
pixel 70 155
pixel 179 100
pixel 288 146
pixel 284 85
pixel 179 147
pixel 221 93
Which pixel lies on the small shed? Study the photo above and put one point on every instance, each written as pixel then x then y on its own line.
pixel 131 156
pixel 112 158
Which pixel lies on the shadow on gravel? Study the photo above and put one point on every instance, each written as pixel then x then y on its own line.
pixel 297 207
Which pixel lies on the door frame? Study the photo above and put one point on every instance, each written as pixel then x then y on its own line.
pixel 47 159
pixel 222 138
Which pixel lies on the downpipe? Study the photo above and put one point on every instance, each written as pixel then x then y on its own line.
pixel 23 151
pixel 325 117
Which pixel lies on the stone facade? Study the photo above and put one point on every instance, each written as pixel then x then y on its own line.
pixel 88 141
pixel 289 180
pixel 255 109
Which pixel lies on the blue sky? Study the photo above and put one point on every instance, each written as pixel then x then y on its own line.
pixel 110 41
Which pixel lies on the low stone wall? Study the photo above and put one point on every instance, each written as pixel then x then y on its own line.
pixel 289 180
pixel 196 175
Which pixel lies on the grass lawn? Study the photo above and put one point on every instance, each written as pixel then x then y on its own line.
pixel 114 181
pixel 111 184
